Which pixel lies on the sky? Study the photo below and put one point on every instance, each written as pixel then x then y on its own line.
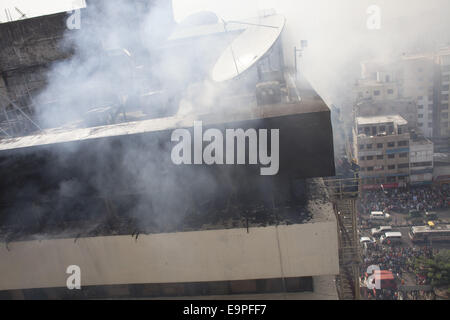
pixel 34 8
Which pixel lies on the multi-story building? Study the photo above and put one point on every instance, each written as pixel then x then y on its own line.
pixel 424 78
pixel 381 87
pixel 416 79
pixel 382 144
pixel 421 160
pixel 442 94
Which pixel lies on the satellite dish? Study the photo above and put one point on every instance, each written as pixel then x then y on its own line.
pixel 248 47
pixel 199 19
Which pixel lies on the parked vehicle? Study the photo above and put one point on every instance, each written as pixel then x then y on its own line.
pixel 376 232
pixel 379 215
pixel 391 238
pixel 366 240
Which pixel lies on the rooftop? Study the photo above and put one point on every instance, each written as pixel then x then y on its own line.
pixel 361 121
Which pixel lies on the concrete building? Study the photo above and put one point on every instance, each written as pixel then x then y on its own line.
pixel 382 144
pixel 421 160
pixel 443 61
pixel 370 89
pixel 109 199
pixel 406 108
pixel 421 77
pixel 416 77
pixel 441 170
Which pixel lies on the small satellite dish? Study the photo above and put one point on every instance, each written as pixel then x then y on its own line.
pixel 199 19
pixel 248 47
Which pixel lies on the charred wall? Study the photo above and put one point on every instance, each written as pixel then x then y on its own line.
pixel 132 179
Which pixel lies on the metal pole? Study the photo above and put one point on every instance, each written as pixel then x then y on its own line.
pixel 20 110
pixel 295 61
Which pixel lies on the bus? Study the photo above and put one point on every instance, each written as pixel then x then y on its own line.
pixel 430 233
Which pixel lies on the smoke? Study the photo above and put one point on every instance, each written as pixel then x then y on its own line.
pixel 338 36
pixel 121 59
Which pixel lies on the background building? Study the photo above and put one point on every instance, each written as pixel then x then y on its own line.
pixel 383 150
pixel 421 160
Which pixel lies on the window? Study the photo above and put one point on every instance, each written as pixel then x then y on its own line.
pixel 421 164
pixel 391 129
pixel 390 91
pixel 445 97
pixel 420 97
pixel 379 145
pixel 369 168
pixel 391 167
pixel 446 78
pixel 382 128
pixel 403 165
pixel 361 147
pixel 391 144
pixel 402 143
pixel 446 68
pixel 362 158
pixel 369 146
pixel 381 157
pixel 430 124
pixel 362 169
pixel 445 87
pixel 403 155
pixel 420 116
pixel 376 93
pixel 445 115
pixel 390 179
pixel 419 106
pixel 369 157
pixel 420 124
pixel 391 156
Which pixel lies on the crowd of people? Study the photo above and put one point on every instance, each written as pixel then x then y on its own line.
pixel 398 260
pixel 424 198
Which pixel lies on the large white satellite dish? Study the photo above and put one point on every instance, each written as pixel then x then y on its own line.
pixel 248 47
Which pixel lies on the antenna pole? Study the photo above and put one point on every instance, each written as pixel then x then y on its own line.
pixel 252 24
pixel 20 110
pixel 231 47
pixel 295 62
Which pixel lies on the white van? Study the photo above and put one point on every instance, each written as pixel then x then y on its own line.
pixel 379 215
pixel 380 230
pixel 391 238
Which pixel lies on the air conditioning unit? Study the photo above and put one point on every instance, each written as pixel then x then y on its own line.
pixel 268 93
